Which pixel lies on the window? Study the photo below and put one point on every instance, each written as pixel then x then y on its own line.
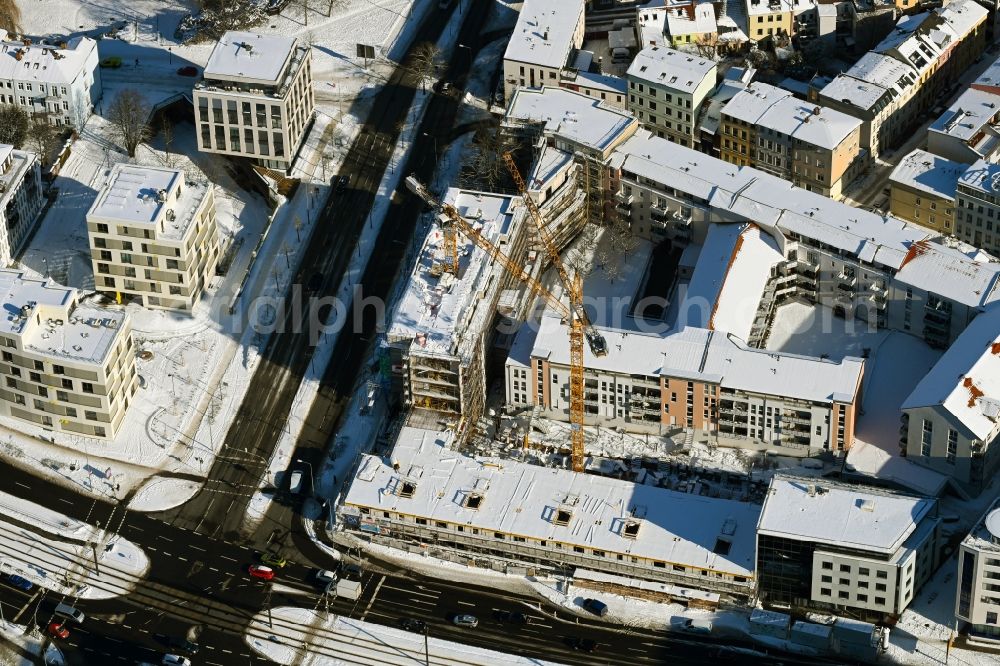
pixel 828 566
pixel 991 618
pixel 863 571
pixel 880 587
pixel 862 597
pixel 90 415
pixel 844 594
pixel 88 387
pixel 826 579
pixel 880 601
pixel 926 437
pixel 952 446
pixel 846 568
pixel 881 574
pixel 824 591
pixel 34 376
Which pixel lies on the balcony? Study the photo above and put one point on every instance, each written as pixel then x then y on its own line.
pixel 624 199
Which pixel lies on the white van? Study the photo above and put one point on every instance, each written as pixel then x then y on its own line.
pixel 70 613
pixel 295 482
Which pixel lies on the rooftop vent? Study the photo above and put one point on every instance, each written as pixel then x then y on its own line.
pixel 563 516
pixel 473 501
pixel 630 529
pixel 407 488
pixel 867 505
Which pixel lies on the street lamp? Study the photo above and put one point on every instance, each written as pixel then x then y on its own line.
pixel 312 475
pixel 435 140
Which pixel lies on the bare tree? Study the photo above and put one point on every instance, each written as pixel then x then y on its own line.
pixel 14 122
pixel 129 115
pixel 334 3
pixel 42 137
pixel 80 110
pixel 707 45
pixel 487 161
pixel 10 16
pixel 167 130
pixel 425 61
pixel 623 241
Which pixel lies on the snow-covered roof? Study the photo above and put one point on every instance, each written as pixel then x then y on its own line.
pixel 983 177
pixel 989 80
pixel 966 379
pixel 962 16
pixel 521 499
pixel 734 266
pixel 18 162
pixel 884 70
pixel 854 91
pixel 145 196
pixel 709 356
pixel 435 311
pixel 735 80
pixel 951 273
pixel 968 114
pixel 571 115
pixel 756 7
pixel 62 328
pixel 602 82
pixel 550 162
pixel 857 517
pixel 47 63
pixel 671 68
pixel 776 109
pixel 544 32
pixel 985 534
pixel 928 173
pixel 703 23
pixel 245 55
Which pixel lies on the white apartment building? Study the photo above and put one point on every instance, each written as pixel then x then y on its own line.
pixel 61 81
pixel 667 89
pixel 978 599
pixel 949 420
pixel 838 547
pixel 543 42
pixel 256 98
pixel 67 366
pixel 153 237
pixel 20 199
pixel 695 379
pixel 511 516
pixel 977 206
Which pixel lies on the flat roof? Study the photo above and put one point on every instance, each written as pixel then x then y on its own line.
pixel 15 174
pixel 710 356
pixel 46 63
pixel 777 109
pixel 521 499
pixel 544 32
pixel 434 311
pixel 249 56
pixel 983 177
pixel 550 162
pixel 840 515
pixel 671 68
pixel 985 535
pixel 965 277
pixel 81 333
pixel 928 173
pixel 734 266
pixel 602 82
pixel 571 115
pixel 968 114
pixel 990 78
pixel 966 379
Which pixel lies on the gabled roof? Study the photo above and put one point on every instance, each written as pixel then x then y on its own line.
pixel 774 108
pixel 966 379
pixel 671 68
pixel 44 62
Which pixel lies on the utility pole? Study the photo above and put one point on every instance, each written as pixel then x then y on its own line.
pixel 267 604
pixel 93 547
pixel 427 650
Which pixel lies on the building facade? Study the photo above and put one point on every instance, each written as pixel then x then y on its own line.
pixel 67 366
pixel 922 190
pixel 61 82
pixel 153 237
pixel 977 206
pixel 666 91
pixel 977 602
pixel 544 38
pixel 851 550
pixel 20 199
pixel 968 129
pixel 256 99
pixel 769 19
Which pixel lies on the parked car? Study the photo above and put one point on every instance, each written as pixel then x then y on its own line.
pixel 273 560
pixel 19 582
pixel 325 576
pixel 181 644
pixel 692 626
pixel 261 572
pixel 113 62
pixel 465 620
pixel 188 70
pixel 351 571
pixel 341 183
pixel 581 644
pixel 175 660
pixel 58 630
pixel 598 608
pixel 511 617
pixel 413 624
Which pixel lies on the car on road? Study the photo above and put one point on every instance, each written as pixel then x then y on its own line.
pixel 341 182
pixel 581 644
pixel 598 608
pixel 510 617
pixel 181 644
pixel 692 625
pixel 19 582
pixel 188 70
pixel 175 660
pixel 273 560
pixel 465 620
pixel 261 572
pixel 413 624
pixel 350 571
pixel 58 630
pixel 325 576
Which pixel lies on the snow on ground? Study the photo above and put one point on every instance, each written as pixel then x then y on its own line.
pixel 21 645
pixel 160 494
pixel 57 552
pixel 302 636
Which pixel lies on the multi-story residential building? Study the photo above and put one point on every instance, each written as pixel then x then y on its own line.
pixel 256 98
pixel 923 190
pixel 769 18
pixel 968 130
pixel 906 73
pixel 977 601
pixel 858 263
pixel 153 237
pixel 20 199
pixel 441 331
pixel 544 38
pixel 588 129
pixel 61 82
pixel 977 206
pixel 949 420
pixel 68 366
pixel 508 515
pixel 667 89
pixel 691 23
pixel 816 148
pixel 850 549
pixel 696 379
pixel 710 120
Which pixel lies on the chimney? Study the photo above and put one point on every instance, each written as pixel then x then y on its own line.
pixel 546 35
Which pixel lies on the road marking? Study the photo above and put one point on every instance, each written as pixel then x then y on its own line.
pixel 372 600
pixel 422 594
pixel 466 603
pixel 636 650
pixel 227 651
pixel 197 548
pixel 421 601
pixel 160 536
pixel 179 557
pixel 18 483
pixel 228 558
pixel 65 501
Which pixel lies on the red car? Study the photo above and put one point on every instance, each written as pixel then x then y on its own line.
pixel 57 630
pixel 261 572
